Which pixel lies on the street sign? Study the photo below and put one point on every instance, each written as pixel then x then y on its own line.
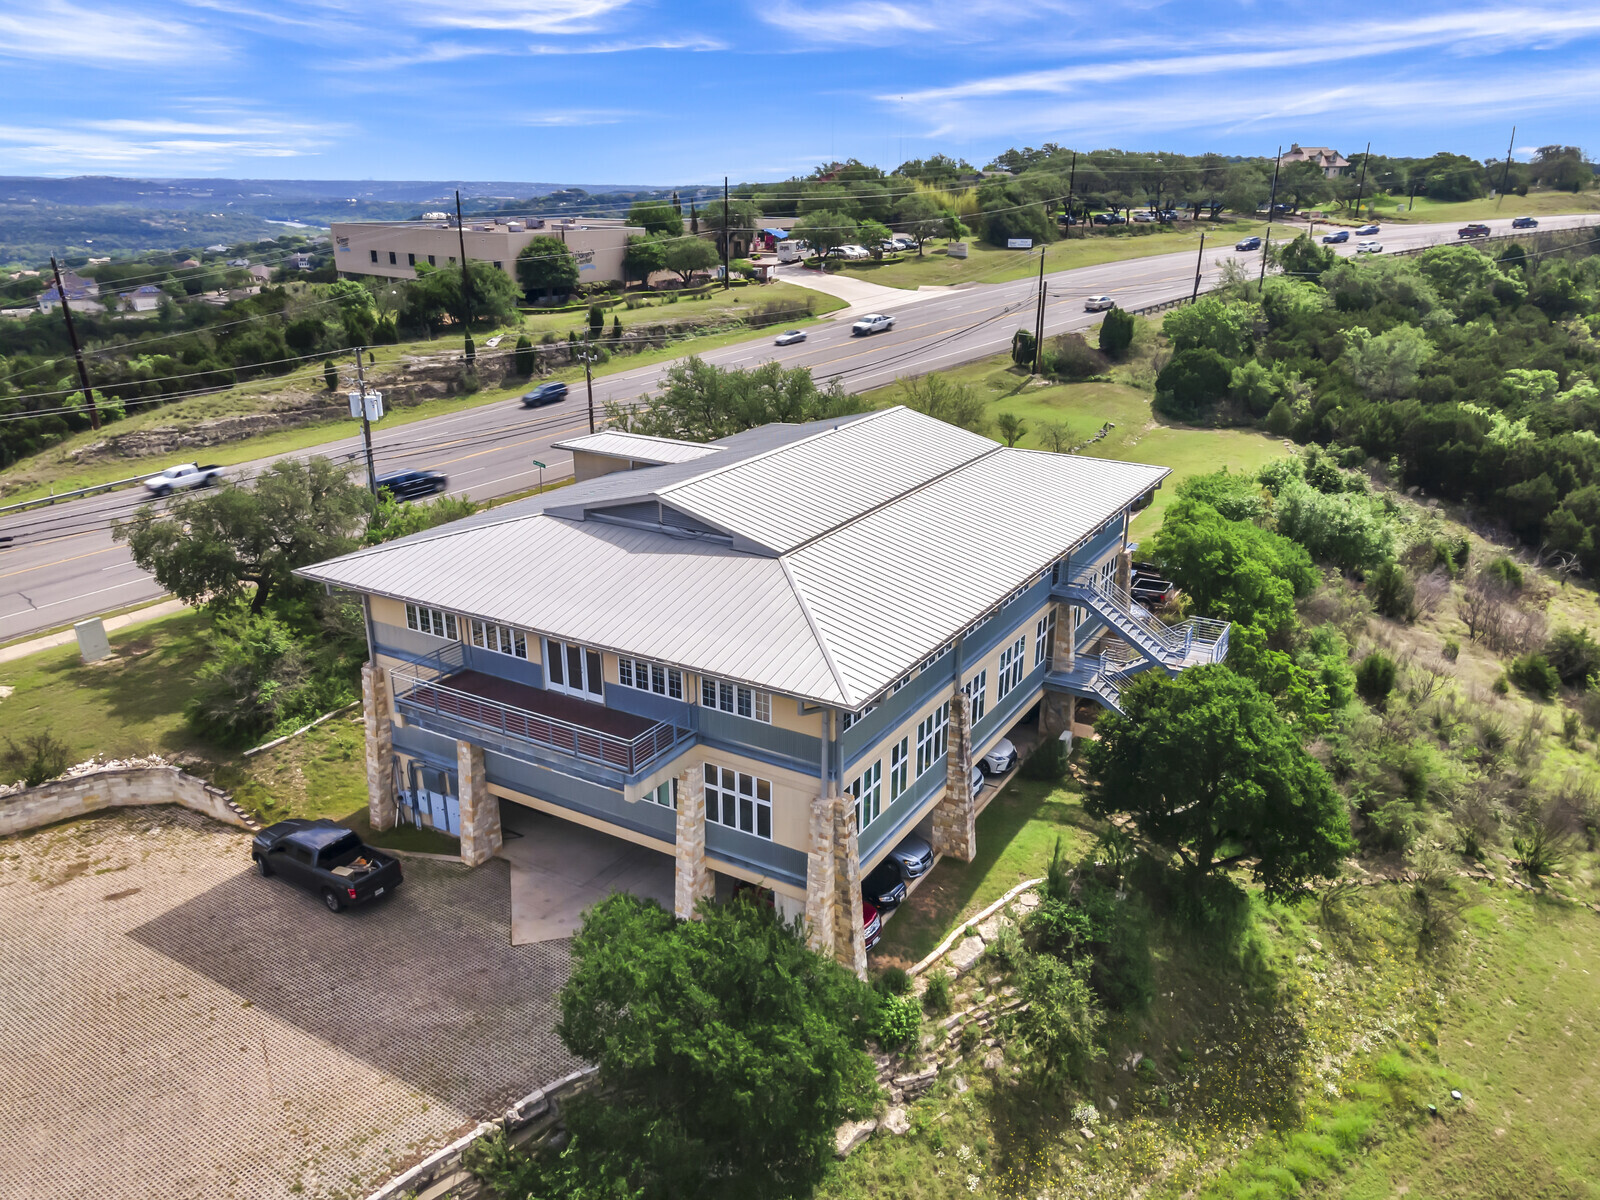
pixel 1019 243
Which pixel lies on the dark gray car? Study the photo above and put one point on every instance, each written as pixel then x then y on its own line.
pixel 913 857
pixel 546 393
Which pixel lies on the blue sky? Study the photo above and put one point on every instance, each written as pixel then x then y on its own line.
pixel 647 91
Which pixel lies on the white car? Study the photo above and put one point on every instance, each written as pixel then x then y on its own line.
pixel 1098 304
pixel 1000 759
pixel 1144 218
pixel 977 782
pixel 871 323
pixel 182 477
pixel 790 337
pixel 1369 247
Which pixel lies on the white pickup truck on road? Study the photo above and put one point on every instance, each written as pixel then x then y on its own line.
pixel 182 476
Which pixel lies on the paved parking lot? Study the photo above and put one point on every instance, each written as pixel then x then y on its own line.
pixel 173 1026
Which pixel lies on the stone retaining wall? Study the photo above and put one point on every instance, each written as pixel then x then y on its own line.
pixel 118 787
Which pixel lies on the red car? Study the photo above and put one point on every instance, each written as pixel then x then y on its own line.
pixel 1474 230
pixel 871 924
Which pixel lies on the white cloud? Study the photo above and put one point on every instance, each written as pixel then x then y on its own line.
pixel 886 21
pixel 170 141
pixel 555 118
pixel 55 30
pixel 527 16
pixel 691 42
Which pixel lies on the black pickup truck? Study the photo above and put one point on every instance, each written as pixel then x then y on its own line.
pixel 327 859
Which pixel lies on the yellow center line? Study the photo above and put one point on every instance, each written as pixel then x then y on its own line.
pixel 60 561
pixel 499 446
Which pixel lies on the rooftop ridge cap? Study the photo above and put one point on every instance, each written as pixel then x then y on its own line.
pixel 816 632
pixel 649 437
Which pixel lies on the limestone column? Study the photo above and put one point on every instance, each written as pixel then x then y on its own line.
pixel 849 941
pixel 822 898
pixel 691 878
pixel 480 812
pixel 1125 571
pixel 380 747
pixel 955 816
pixel 1055 709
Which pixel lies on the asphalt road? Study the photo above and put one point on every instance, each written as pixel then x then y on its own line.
pixel 63 566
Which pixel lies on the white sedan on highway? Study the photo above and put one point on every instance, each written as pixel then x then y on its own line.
pixel 790 337
pixel 1369 247
pixel 1098 304
pixel 871 323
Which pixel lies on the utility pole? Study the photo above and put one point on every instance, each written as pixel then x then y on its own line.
pixel 366 425
pixel 1362 186
pixel 1038 321
pixel 1506 174
pixel 588 380
pixel 77 350
pixel 727 230
pixel 1272 208
pixel 1072 179
pixel 466 282
pixel 1198 261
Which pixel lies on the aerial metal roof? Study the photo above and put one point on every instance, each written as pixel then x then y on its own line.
pixel 860 550
pixel 638 447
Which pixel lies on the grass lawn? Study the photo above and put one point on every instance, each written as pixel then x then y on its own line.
pixel 131 704
pixel 1534 204
pixel 989 264
pixel 72 464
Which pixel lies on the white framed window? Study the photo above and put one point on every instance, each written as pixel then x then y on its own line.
pixel 1011 666
pixel 935 657
pixel 932 732
pixel 665 794
pixel 738 800
pixel 734 698
pixel 1079 616
pixel 977 690
pixel 868 791
pixel 1044 644
pixel 897 768
pixel 573 669
pixel 431 620
pixel 899 683
pixel 848 719
pixel 650 677
pixel 502 639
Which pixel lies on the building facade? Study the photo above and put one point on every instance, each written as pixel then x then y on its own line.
pixel 1329 161
pixel 771 660
pixel 394 249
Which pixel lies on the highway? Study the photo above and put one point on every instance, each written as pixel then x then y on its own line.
pixel 63 565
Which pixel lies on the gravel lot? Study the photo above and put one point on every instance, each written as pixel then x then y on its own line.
pixel 174 1026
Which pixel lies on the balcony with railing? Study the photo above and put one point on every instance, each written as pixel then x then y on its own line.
pixel 546 727
pixel 1188 643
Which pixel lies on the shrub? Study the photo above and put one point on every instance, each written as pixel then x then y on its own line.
pixel 1392 593
pixel 1022 348
pixel 1068 356
pixel 1047 763
pixel 1452 649
pixel 1506 571
pixel 1061 1024
pixel 936 997
pixel 1375 678
pixel 897 1020
pixel 39 758
pixel 330 376
pixel 893 981
pixel 1541 846
pixel 1192 382
pixel 1116 333
pixel 1574 655
pixel 1534 675
pixel 522 360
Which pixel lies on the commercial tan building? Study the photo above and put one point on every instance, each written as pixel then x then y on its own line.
pixel 395 249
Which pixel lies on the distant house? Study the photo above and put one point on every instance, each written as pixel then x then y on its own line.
pixel 1332 163
pixel 260 273
pixel 81 301
pixel 96 262
pixel 238 262
pixel 219 248
pixel 145 299
pixel 188 264
pixel 300 262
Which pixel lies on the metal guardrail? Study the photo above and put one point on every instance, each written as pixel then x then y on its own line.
pixel 73 495
pixel 427 691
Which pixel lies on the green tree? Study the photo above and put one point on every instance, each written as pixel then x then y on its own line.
pixel 644 256
pixel 1061 1024
pixel 953 403
pixel 1385 367
pixel 826 230
pixel 1210 324
pixel 522 358
pixel 212 549
pixel 546 266
pixel 742 214
pixel 330 377
pixel 655 216
pixel 918 215
pixel 1208 770
pixel 1116 333
pixel 728 1051
pixel 1244 190
pixel 1232 570
pixel 686 256
pixel 1191 382
pixel 699 402
pixel 1392 593
pixel 1011 427
pixel 1375 678
pixel 1304 259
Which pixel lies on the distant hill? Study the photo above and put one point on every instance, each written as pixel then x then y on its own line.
pixel 100 214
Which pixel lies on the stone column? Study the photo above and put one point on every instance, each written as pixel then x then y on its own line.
pixel 1124 571
pixel 691 878
pixel 954 818
pixel 480 812
pixel 380 747
pixel 1064 655
pixel 822 899
pixel 849 941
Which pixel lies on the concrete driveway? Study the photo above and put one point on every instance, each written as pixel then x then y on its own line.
pixel 174 1026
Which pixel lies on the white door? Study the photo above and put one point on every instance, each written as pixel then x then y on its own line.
pixel 573 669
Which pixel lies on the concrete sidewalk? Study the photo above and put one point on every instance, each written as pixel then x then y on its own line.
pixel 861 296
pixel 67 637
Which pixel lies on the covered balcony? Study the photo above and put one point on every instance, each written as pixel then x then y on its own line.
pixel 531 723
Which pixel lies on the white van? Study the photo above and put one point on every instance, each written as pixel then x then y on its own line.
pixel 790 250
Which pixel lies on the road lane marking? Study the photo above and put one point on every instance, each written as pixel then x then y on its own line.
pixel 59 562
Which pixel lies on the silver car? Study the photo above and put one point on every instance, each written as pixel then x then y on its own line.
pixel 913 856
pixel 790 337
pixel 1098 304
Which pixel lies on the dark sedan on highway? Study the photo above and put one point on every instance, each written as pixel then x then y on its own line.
pixel 546 393
pixel 409 485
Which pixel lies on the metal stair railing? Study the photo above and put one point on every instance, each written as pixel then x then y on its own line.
pixel 1169 641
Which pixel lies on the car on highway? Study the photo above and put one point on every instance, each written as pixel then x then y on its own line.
pixel 1249 243
pixel 1367 231
pixel 1098 303
pixel 1524 223
pixel 546 393
pixel 1334 239
pixel 182 477
pixel 871 323
pixel 1369 247
pixel 326 858
pixel 1476 229
pixel 1001 758
pixel 789 337
pixel 408 485
pixel 883 887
